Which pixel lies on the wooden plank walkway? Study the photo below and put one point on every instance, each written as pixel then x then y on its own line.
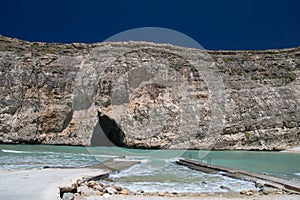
pixel 242 174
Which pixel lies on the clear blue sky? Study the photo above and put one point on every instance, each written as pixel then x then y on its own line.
pixel 223 24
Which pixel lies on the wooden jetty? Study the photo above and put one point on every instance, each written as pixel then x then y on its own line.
pixel 287 185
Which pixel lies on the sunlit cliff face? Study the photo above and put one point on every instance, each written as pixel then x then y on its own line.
pixel 158 96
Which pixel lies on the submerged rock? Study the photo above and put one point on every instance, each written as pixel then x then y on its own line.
pixel 224 187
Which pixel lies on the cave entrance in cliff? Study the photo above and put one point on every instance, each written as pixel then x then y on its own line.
pixel 107 132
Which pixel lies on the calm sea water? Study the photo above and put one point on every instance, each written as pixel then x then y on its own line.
pixel 157 170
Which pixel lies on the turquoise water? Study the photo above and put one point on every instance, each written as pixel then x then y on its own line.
pixel 284 165
pixel 157 170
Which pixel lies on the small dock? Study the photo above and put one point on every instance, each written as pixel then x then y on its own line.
pixel 116 164
pixel 112 165
pixel 290 186
pixel 102 170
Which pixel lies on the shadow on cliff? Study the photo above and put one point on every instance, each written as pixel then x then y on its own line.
pixel 107 132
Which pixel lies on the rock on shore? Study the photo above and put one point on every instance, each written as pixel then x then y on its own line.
pixel 147 95
pixel 97 190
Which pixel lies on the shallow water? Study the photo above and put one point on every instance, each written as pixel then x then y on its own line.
pixel 156 175
pixel 157 170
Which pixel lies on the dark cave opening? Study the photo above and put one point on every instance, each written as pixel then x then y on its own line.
pixel 107 132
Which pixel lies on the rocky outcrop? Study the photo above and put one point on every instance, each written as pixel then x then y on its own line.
pixel 147 95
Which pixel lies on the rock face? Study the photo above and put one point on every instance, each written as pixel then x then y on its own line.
pixel 147 95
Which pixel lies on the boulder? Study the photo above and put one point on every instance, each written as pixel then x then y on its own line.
pixel 92 183
pixel 259 184
pixel 82 188
pixel 161 193
pixel 243 191
pixel 68 196
pixel 124 191
pixel 86 191
pixel 252 190
pixel 80 182
pixel 249 193
pixel 268 190
pixel 98 188
pixel 140 191
pixel 118 188
pixel 110 190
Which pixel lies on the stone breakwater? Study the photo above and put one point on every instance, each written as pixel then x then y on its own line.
pixel 146 95
pixel 84 189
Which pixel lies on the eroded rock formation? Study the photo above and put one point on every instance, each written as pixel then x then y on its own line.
pixel 147 95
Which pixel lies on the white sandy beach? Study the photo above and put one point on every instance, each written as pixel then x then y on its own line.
pixel 40 184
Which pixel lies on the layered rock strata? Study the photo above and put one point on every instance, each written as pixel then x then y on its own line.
pixel 146 95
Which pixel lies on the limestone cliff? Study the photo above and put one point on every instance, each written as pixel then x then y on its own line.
pixel 147 95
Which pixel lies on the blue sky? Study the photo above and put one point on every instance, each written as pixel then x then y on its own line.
pixel 223 24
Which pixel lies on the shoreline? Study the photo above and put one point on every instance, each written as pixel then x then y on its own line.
pixel 292 150
pixel 295 149
pixel 46 184
pixel 50 183
pixel 264 188
pixel 40 184
pixel 90 191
